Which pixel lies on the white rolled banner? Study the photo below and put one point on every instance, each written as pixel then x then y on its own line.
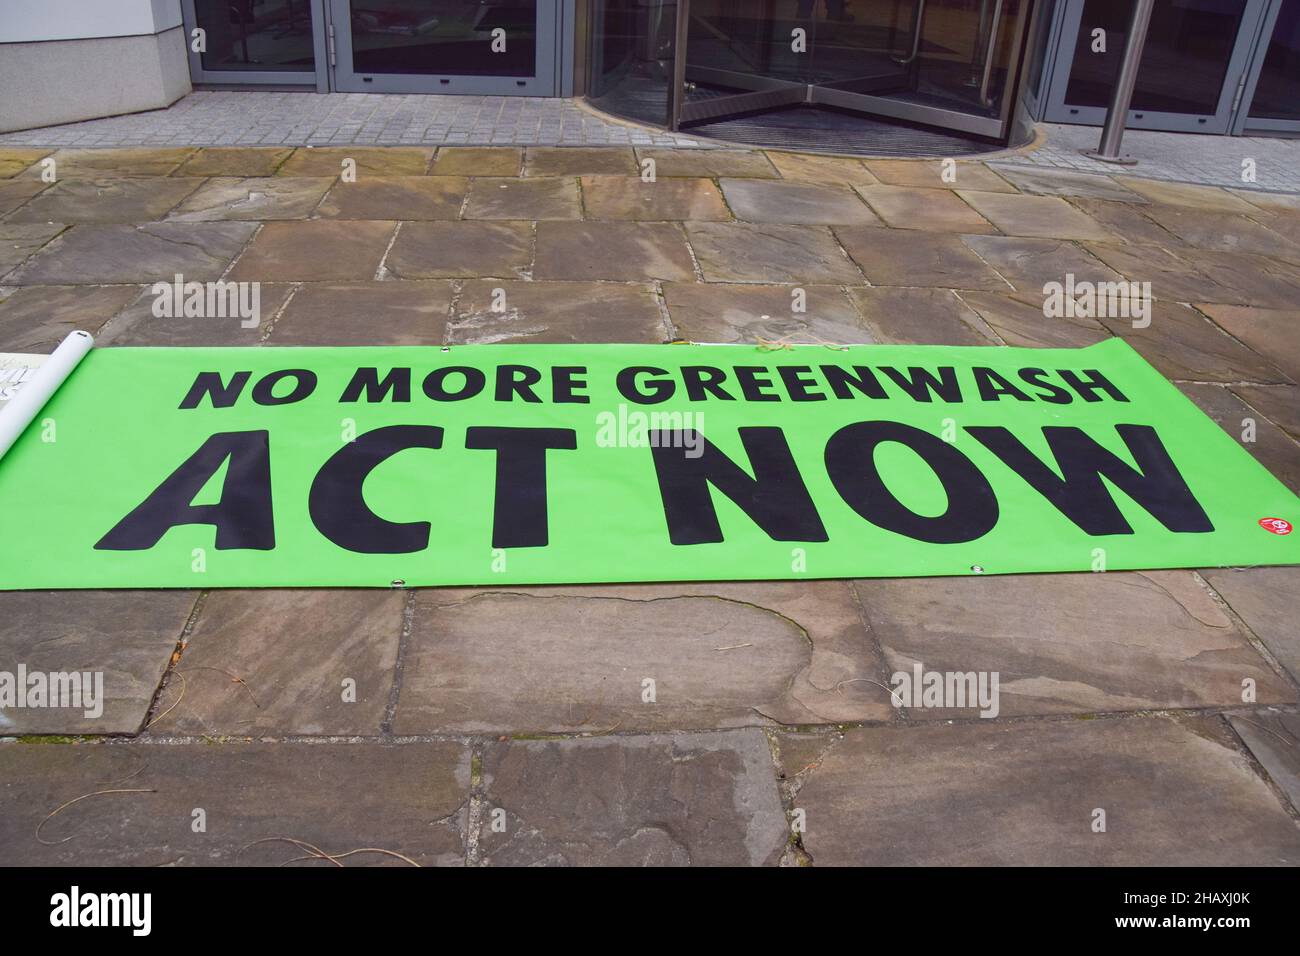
pixel 21 410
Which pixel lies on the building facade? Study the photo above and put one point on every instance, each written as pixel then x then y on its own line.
pixel 985 69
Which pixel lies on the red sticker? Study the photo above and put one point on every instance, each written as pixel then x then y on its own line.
pixel 1276 525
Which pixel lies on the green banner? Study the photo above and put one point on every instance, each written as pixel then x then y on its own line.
pixel 536 464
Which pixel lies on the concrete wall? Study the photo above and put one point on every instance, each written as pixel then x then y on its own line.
pixel 68 60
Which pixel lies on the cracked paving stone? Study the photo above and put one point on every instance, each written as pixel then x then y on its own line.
pixel 1172 277
pixel 365 313
pixel 38 318
pixel 1072 643
pixel 426 250
pixel 722 655
pixel 1061 182
pixel 810 168
pixel 1044 217
pixel 549 312
pixel 315 249
pixel 709 163
pixel 128 636
pixel 1126 224
pixel 262 198
pixel 408 798
pixel 1029 264
pixel 627 197
pixel 929 174
pixel 237 161
pixel 1222 232
pixel 106 200
pixel 1209 198
pixel 578 161
pixel 97 254
pixel 277 662
pixel 477 161
pixel 1019 321
pixel 142 161
pixel 1184 345
pixel 898 257
pixel 1175 793
pixel 1265 599
pixel 745 252
pixel 136 325
pixel 15 192
pixel 928 210
pixel 1273 333
pixel 620 251
pixel 501 198
pixel 919 316
pixel 703 312
pixel 396 197
pixel 1273 737
pixel 1236 279
pixel 1270 446
pixel 765 200
pixel 689 799
pixel 19 242
pixel 1280 404
pixel 370 161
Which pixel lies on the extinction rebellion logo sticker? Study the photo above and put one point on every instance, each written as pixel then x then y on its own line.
pixel 1276 525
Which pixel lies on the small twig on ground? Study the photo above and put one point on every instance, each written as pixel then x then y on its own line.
pixel 316 853
pixel 181 697
pixel 49 816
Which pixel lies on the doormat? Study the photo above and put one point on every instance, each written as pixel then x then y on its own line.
pixel 557 464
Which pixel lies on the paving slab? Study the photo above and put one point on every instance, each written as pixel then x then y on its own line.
pixel 1265 599
pixel 97 254
pixel 15 161
pixel 578 161
pixel 765 200
pixel 1277 202
pixel 1030 264
pixel 566 312
pixel 1072 643
pixel 932 174
pixel 1183 345
pixel 365 313
pixel 1019 321
pixel 1222 231
pixel 1174 793
pixel 919 317
pixel 711 312
pixel 1274 333
pixel 235 161
pixel 1273 737
pixel 709 163
pixel 318 249
pixel 105 200
pixel 1066 182
pixel 18 241
pixel 621 251
pixel 279 662
pixel 477 161
pixel 903 258
pixel 396 197
pixel 1280 404
pixel 628 197
pixel 1172 276
pixel 811 168
pixel 1047 217
pixel 748 252
pixel 690 799
pixel 15 192
pixel 1269 445
pixel 143 161
pixel 407 798
pixel 1239 279
pixel 1209 198
pixel 720 655
pixel 126 636
pixel 929 210
pixel 38 318
pixel 136 325
pixel 537 198
pixel 1127 224
pixel 430 249
pixel 370 161
pixel 260 198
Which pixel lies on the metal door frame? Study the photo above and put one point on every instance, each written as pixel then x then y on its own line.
pixel 768 92
pixel 1220 121
pixel 1243 123
pixel 319 77
pixel 543 82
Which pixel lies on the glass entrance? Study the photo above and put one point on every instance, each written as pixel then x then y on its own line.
pixel 444 46
pixel 1193 64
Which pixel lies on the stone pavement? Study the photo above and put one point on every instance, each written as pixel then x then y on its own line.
pixel 508 726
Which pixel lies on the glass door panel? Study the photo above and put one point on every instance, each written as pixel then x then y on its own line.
pixel 1275 102
pixel 257 41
